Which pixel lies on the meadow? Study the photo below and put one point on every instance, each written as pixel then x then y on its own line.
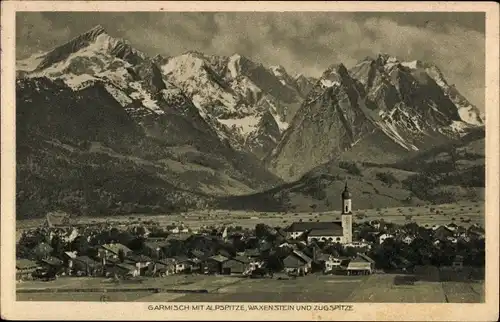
pixel 463 214
pixel 377 288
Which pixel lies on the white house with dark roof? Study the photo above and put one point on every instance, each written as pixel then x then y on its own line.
pixel 333 231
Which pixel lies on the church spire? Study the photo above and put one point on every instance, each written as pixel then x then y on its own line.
pixel 346 194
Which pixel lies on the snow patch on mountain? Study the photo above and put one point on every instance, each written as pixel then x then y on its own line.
pixel 244 126
pixel 76 81
pixel 191 73
pixel 118 95
pixel 329 83
pixel 470 115
pixel 234 65
pixel 145 98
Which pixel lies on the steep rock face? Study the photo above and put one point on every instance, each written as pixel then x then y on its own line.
pixel 381 105
pixel 234 93
pixel 328 123
pixel 304 84
pixel 265 137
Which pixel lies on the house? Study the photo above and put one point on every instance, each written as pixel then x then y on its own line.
pixel 142 262
pixel 236 265
pixel 164 267
pixel 179 237
pixel 57 219
pixel 331 262
pixel 199 255
pixel 452 226
pixel 84 265
pixel 383 237
pixel 125 269
pixel 68 258
pixel 52 263
pixel 185 264
pixel 112 250
pixel 443 232
pixel 155 248
pixel 375 224
pixel 224 253
pixel 24 269
pixel 362 264
pixel 213 264
pixel 407 239
pixel 297 263
pixel 252 253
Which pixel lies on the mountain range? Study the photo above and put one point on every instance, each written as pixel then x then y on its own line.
pixel 104 128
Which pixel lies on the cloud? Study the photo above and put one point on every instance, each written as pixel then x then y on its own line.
pixel 301 42
pixel 36 33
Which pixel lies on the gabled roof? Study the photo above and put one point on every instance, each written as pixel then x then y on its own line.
pixel 306 226
pixel 86 260
pixel 139 258
pixel 180 236
pixel 115 248
pixel 302 256
pixel 198 253
pixel 358 265
pixel 253 252
pixel 334 232
pixel 71 254
pixel 243 259
pixel 219 258
pixel 181 259
pixel 43 246
pixel 57 219
pixel 52 261
pixel 166 261
pixel 155 244
pixel 25 264
pixel 126 266
pixel 366 258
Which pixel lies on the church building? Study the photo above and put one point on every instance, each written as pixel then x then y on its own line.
pixel 333 231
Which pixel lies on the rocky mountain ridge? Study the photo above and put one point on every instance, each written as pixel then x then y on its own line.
pixel 380 109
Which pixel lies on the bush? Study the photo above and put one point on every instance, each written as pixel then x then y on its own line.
pixel 387 178
pixel 351 167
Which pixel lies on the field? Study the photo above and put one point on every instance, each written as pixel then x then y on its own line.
pixel 377 288
pixel 447 213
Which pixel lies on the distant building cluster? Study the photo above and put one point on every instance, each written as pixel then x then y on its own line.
pixel 62 247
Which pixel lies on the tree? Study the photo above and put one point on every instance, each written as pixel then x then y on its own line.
pixel 80 245
pixel 386 177
pixel 57 246
pixel 262 231
pixel 121 255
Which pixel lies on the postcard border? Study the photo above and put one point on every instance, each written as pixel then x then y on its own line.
pixel 10 309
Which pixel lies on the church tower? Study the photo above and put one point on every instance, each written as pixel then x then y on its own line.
pixel 346 201
pixel 347 215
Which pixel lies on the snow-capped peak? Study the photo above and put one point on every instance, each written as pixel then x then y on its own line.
pixel 96 40
pixel 278 70
pixel 414 64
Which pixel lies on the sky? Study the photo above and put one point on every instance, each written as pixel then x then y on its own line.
pixel 302 42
